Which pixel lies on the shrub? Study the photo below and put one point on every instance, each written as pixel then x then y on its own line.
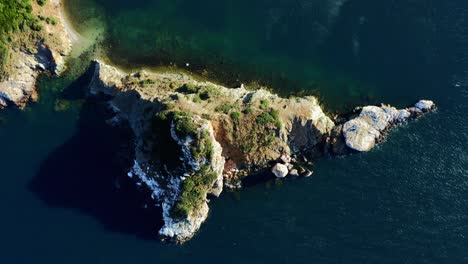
pixel 209 92
pixel 248 111
pixel 147 82
pixel 193 192
pixel 235 116
pixel 184 125
pixel 271 117
pixel 264 104
pixel 51 20
pixel 196 99
pixel 225 108
pixel 15 16
pixel 41 2
pixel 190 88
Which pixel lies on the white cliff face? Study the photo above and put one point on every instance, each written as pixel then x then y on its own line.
pixel 165 191
pixel 362 133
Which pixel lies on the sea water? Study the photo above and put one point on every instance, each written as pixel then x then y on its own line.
pixel 65 197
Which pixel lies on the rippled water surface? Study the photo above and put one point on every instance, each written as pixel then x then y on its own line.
pixel 65 197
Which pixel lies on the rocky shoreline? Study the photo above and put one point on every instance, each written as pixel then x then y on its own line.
pixel 45 53
pixel 193 139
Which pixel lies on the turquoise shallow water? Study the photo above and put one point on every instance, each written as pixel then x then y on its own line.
pixel 64 194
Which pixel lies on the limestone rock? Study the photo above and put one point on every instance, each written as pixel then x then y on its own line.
pixel 362 133
pixel 280 170
pixel 294 173
pixel 425 105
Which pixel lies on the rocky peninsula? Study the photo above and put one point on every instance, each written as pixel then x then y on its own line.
pixel 34 40
pixel 195 138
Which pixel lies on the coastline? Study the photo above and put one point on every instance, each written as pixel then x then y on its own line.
pixel 73 35
pixel 29 57
pixel 226 136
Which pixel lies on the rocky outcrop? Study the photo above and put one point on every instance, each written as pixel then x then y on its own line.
pixel 280 170
pixel 46 53
pixel 365 131
pixel 193 138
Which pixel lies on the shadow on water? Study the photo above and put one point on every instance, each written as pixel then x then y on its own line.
pixel 88 173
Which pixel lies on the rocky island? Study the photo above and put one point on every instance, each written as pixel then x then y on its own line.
pixel 195 138
pixel 33 40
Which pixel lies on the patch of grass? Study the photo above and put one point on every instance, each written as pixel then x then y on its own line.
pixel 270 117
pixel 193 192
pixel 184 126
pixel 146 83
pixel 225 108
pixel 236 116
pixel 51 21
pixel 264 104
pixel 209 92
pixel 203 147
pixel 196 99
pixel 206 116
pixel 190 88
pixel 248 111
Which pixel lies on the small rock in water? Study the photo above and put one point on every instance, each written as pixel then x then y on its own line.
pixel 294 173
pixel 308 173
pixel 280 170
pixel 425 105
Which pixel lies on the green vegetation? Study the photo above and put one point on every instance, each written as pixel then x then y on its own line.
pixel 270 117
pixel 195 187
pixel 51 20
pixel 190 88
pixel 196 99
pixel 236 116
pixel 193 192
pixel 225 108
pixel 15 17
pixel 184 125
pixel 48 20
pixel 248 111
pixel 146 83
pixel 264 104
pixel 206 92
pixel 206 116
pixel 262 132
pixel 202 147
pixel 209 92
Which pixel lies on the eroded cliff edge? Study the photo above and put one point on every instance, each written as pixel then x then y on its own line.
pixel 193 139
pixel 38 44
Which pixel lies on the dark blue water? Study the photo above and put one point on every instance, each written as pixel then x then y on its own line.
pixel 65 197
